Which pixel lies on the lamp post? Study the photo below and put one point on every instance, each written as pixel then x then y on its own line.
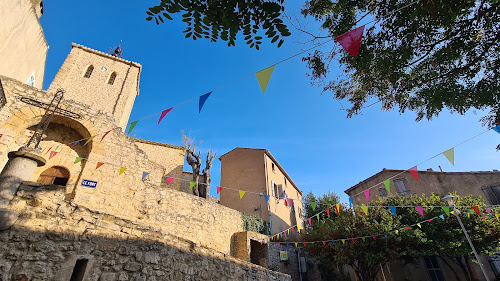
pixel 451 201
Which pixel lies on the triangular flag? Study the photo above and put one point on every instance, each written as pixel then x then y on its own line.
pixel 484 217
pixel 78 159
pixel 163 113
pixel 264 76
pixel 420 209
pixel 393 210
pixel 450 155
pixel 419 225
pixel 367 195
pixel 266 197
pixel 324 243
pixel 287 244
pixel 242 193
pixel 343 241
pixel 446 209
pixel 328 212
pixel 43 149
pixel 407 227
pixel 122 169
pixel 99 164
pixel 304 244
pixel 296 245
pixel 317 217
pixel 203 99
pixel 350 201
pixel 363 238
pixel 56 148
pixel 278 244
pixel 313 205
pixel 414 172
pixel 286 202
pixel 452 212
pixel 48 150
pixel 169 180
pixel 284 232
pixel 365 209
pixel 488 210
pixel 397 232
pixel 52 154
pixel 105 135
pixel 429 220
pixel 89 140
pixel 497 216
pixel 144 174
pixel 293 229
pixel 75 143
pixel 309 219
pixel 496 129
pixel 290 202
pixel 387 184
pixel 476 209
pixel 192 184
pixel 374 237
pixel 352 239
pixel 351 41
pixel 219 188
pixel 132 125
pixel 298 227
pixel 337 208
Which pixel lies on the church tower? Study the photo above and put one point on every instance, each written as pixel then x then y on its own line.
pixel 104 82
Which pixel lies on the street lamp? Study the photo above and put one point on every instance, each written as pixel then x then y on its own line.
pixel 451 202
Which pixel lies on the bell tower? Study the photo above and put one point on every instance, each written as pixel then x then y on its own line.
pixel 105 82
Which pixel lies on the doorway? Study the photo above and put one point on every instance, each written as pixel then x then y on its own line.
pixel 54 175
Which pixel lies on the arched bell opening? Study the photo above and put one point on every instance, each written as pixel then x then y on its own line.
pixel 54 175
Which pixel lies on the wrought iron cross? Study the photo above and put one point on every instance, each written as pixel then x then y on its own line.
pixel 50 110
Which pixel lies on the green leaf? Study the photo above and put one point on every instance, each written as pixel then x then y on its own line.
pixel 280 43
pixel 275 38
pixel 149 18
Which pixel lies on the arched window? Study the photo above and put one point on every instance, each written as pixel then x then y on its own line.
pixel 112 78
pixel 88 72
pixel 54 175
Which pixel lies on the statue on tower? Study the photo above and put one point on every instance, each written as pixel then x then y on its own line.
pixel 117 51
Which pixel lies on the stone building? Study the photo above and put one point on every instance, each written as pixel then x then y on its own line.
pixel 256 170
pixel 80 208
pixel 485 184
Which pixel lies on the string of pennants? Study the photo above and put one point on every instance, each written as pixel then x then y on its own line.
pixel 350 42
pixel 475 210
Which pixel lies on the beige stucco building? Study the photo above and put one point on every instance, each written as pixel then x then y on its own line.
pixel 259 173
pixel 23 48
pixel 485 184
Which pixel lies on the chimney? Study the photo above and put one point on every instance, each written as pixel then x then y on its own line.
pixel 430 170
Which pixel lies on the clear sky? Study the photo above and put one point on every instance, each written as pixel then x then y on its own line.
pixel 307 132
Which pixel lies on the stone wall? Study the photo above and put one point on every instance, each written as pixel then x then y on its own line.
pixel 52 234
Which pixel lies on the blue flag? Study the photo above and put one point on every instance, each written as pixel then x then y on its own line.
pixel 144 174
pixel 350 201
pixel 497 128
pixel 393 210
pixel 203 99
pixel 267 198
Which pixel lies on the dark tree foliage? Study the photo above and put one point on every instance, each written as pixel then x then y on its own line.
pixel 417 55
pixel 224 19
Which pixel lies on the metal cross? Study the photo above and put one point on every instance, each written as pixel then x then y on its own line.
pixel 50 110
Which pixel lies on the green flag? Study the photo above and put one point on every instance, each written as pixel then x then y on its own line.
pixel 192 184
pixel 264 76
pixel 313 205
pixel 450 155
pixel 78 159
pixel 446 210
pixel 387 184
pixel 132 125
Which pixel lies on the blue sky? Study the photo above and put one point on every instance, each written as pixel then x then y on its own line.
pixel 306 131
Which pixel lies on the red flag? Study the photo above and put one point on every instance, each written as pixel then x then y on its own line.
pixel 52 154
pixel 351 41
pixel 304 244
pixel 352 239
pixel 286 202
pixel 328 212
pixel 163 113
pixel 374 237
pixel 219 188
pixel 414 172
pixel 475 208
pixel 99 164
pixel 293 229
pixel 407 227
pixel 105 135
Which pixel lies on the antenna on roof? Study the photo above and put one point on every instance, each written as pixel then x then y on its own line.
pixel 116 51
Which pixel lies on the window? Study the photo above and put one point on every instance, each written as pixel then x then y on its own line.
pixel 493 194
pixel 79 270
pixel 434 269
pixel 285 180
pixel 272 167
pixel 382 191
pixel 401 186
pixel 275 189
pixel 112 78
pixel 495 265
pixel 281 192
pixel 88 72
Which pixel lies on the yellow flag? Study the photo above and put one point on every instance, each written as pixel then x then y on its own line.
pixel 343 241
pixel 89 140
pixel 264 76
pixel 498 217
pixel 122 169
pixel 419 225
pixel 397 232
pixel 450 155
pixel 242 193
pixel 296 245
pixel 452 212
pixel 365 209
pixel 298 227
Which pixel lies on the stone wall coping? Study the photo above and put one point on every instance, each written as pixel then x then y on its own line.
pixel 158 143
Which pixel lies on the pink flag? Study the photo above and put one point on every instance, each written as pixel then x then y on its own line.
pixel 219 188
pixel 52 154
pixel 324 243
pixel 290 202
pixel 367 195
pixel 488 210
pixel 309 221
pixel 374 237
pixel 169 180
pixel 163 113
pixel 420 209
pixel 429 220
pixel 414 172
pixel 351 41
pixel 105 135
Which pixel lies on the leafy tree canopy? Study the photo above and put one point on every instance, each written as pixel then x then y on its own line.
pixel 324 201
pixel 441 238
pixel 423 55
pixel 224 19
